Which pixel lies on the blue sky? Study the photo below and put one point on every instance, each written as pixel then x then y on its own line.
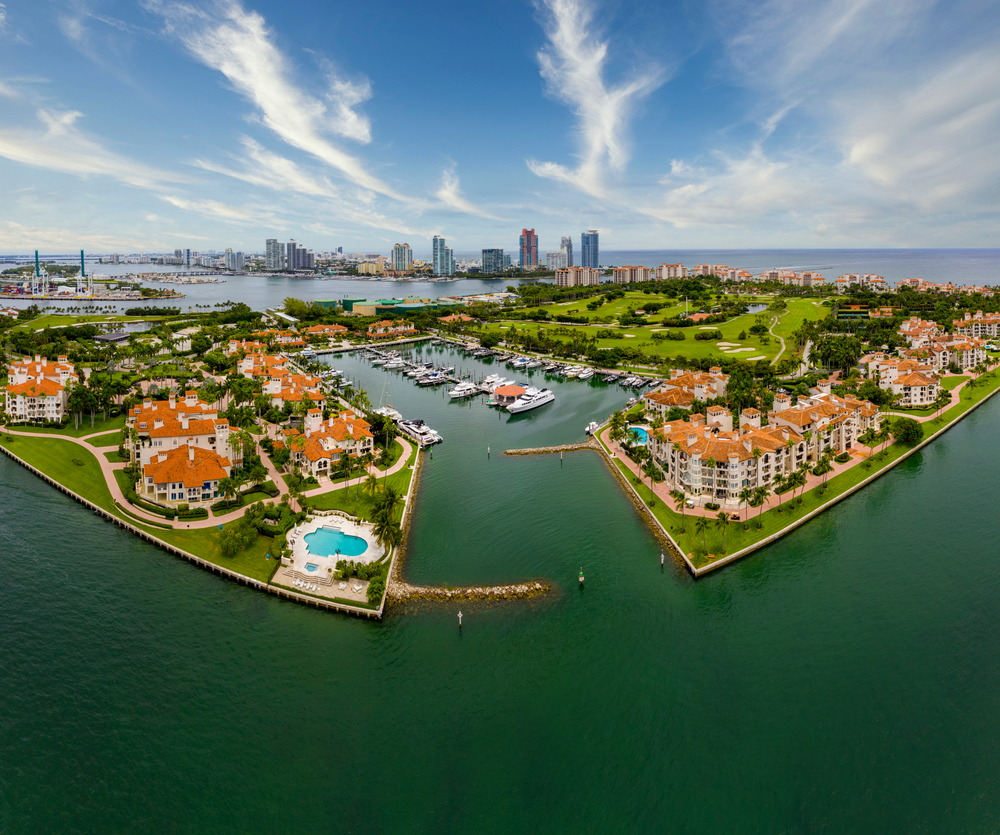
pixel 145 126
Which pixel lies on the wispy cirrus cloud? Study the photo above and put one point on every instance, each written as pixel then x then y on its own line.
pixel 262 167
pixel 450 193
pixel 60 145
pixel 574 66
pixel 237 43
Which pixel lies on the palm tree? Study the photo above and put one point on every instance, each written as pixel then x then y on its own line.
pixel 701 525
pixel 777 486
pixel 227 489
pixel 371 485
pixel 868 439
pixel 387 531
pixel 722 522
pixel 679 503
pixel 746 495
pixel 618 426
pixel 760 495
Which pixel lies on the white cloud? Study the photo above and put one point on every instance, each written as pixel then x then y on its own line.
pixel 237 43
pixel 216 210
pixel 935 144
pixel 450 193
pixel 61 146
pixel 573 65
pixel 262 167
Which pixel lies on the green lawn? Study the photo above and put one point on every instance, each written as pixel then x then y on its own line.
pixel 56 320
pixel 951 383
pixel 642 338
pixel 114 456
pixel 355 501
pixel 68 463
pixel 111 423
pixel 110 439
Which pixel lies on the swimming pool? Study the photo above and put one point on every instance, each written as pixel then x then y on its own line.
pixel 643 435
pixel 326 542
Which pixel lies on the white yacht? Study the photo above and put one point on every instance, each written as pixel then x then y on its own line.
pixel 533 364
pixel 586 374
pixel 592 427
pixel 464 389
pixel 389 412
pixel 570 371
pixel 531 399
pixel 420 432
pixel 379 361
pixel 395 364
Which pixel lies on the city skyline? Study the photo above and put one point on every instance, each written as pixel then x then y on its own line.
pixel 147 123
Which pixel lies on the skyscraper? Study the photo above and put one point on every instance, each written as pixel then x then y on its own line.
pixel 440 264
pixel 449 261
pixel 556 260
pixel 591 256
pixel 528 245
pixel 274 256
pixel 567 246
pixel 493 261
pixel 293 255
pixel 402 258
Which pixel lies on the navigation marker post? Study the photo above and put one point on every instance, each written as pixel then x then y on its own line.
pixel 460 619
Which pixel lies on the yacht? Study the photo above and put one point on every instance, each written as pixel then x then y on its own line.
pixel 570 371
pixel 533 364
pixel 464 389
pixel 389 412
pixel 531 399
pixel 586 374
pixel 307 353
pixel 379 361
pixel 592 427
pixel 395 365
pixel 420 432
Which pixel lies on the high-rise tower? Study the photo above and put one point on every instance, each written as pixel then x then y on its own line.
pixel 567 247
pixel 589 250
pixel 529 248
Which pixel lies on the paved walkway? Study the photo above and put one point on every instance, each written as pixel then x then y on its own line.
pixel 108 470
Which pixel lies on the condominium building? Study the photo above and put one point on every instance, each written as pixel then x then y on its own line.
pixel 528 248
pixel 493 262
pixel 322 443
pixel 37 390
pixel 402 258
pixel 577 276
pixel 185 475
pixel 684 387
pixel 567 247
pixel 443 261
pixel 665 271
pixel 166 425
pixel 556 260
pixel 590 255
pixel 274 255
pixel 979 325
pixel 630 275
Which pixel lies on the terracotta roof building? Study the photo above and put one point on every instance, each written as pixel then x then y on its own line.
pixel 187 474
pixel 37 390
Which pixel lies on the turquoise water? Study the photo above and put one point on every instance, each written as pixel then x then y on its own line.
pixel 325 542
pixel 311 566
pixel 843 680
pixel 642 433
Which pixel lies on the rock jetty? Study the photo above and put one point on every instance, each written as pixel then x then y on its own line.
pixel 400 591
pixel 591 443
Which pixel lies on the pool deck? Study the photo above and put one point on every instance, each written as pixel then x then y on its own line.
pixel 327 565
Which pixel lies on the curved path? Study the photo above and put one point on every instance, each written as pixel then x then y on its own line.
pixel 108 471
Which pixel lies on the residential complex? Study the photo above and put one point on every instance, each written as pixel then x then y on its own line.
pixel 577 276
pixel 321 443
pixel 402 258
pixel 493 261
pixel 630 275
pixel 443 260
pixel 705 456
pixel 567 247
pixel 37 390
